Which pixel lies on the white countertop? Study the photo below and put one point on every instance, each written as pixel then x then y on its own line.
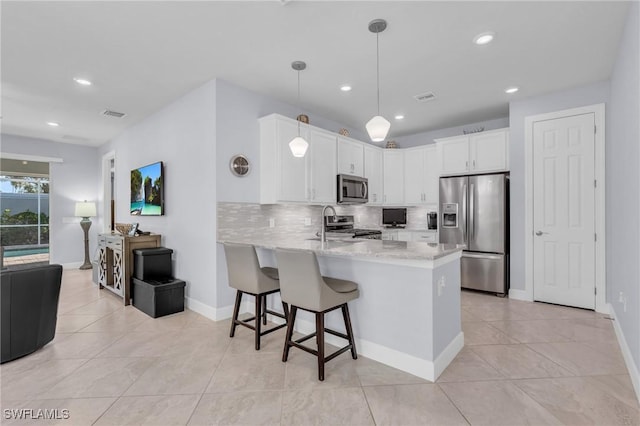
pixel 407 250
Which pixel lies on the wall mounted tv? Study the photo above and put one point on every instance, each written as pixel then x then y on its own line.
pixel 147 190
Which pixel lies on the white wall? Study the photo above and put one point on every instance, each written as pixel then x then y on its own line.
pixel 73 180
pixel 425 138
pixel 623 185
pixel 518 110
pixel 182 136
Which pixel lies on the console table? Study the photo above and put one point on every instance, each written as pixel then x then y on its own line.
pixel 116 261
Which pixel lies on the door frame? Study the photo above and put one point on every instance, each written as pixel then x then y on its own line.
pixel 106 189
pixel 599 208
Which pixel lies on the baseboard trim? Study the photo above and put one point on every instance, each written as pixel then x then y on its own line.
pixel 73 265
pixel 214 314
pixel 408 363
pixel 626 352
pixel 520 295
pixel 448 354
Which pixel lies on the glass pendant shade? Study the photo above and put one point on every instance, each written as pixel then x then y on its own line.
pixel 298 146
pixel 378 128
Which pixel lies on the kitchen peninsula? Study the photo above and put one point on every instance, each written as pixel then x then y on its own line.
pixel 408 312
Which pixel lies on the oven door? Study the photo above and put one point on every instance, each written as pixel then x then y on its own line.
pixel 352 189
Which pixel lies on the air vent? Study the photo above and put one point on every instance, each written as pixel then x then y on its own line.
pixel 115 114
pixel 424 97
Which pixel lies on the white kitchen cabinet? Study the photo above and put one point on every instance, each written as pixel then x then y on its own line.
pixel 373 173
pixel 389 235
pixel 476 153
pixel 322 170
pixel 425 237
pixel 393 177
pixel 350 156
pixel 421 175
pixel 405 235
pixel 285 178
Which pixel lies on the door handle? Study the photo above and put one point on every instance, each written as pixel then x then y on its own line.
pixel 472 215
pixel 540 233
pixel 464 213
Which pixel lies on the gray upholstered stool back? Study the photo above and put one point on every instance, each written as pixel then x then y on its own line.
pixel 244 269
pixel 302 285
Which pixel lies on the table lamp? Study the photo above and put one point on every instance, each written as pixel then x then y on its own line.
pixel 85 210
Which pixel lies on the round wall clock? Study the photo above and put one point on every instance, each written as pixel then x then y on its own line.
pixel 239 165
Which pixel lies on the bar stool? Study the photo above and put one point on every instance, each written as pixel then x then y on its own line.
pixel 302 287
pixel 247 277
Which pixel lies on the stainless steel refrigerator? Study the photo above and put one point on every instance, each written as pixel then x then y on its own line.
pixel 474 210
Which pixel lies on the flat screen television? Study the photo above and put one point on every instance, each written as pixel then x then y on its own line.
pixel 147 190
pixel 394 217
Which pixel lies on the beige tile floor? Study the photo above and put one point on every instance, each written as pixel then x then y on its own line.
pixel 522 363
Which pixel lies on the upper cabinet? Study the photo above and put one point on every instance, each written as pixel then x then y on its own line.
pixel 350 157
pixel 373 173
pixel 393 177
pixel 421 175
pixel 285 178
pixel 475 153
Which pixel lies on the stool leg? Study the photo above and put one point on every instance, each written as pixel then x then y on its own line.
pixel 258 314
pixel 320 341
pixel 285 309
pixel 264 309
pixel 347 325
pixel 236 309
pixel 287 341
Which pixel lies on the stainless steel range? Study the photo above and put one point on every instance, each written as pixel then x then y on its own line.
pixel 342 227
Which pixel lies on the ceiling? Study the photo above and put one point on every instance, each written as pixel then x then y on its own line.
pixel 141 56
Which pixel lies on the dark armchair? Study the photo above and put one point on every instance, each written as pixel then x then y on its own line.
pixel 29 308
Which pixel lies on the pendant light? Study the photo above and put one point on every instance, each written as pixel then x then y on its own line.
pixel 378 127
pixel 298 145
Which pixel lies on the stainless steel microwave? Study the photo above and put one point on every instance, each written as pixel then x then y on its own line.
pixel 352 189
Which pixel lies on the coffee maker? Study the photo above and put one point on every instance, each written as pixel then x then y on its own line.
pixel 432 220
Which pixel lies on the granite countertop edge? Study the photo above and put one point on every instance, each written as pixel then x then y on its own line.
pixel 381 249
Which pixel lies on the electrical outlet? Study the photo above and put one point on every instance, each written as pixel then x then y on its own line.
pixel 621 297
pixel 272 222
pixel 307 221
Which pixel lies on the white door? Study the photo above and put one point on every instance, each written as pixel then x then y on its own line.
pixel 393 176
pixel 413 176
pixel 322 147
pixel 454 155
pixel 373 172
pixel 563 211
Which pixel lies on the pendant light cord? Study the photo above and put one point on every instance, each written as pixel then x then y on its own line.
pixel 377 68
pixel 299 109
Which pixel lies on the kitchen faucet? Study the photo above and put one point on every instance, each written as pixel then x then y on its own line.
pixel 323 232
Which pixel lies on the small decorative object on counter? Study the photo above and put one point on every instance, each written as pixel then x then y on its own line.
pixel 343 132
pixel 476 130
pixel 391 145
pixel 303 118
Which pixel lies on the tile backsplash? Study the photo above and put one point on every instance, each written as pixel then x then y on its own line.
pixel 250 219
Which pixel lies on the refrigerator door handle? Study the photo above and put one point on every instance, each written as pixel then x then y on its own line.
pixel 472 217
pixel 464 213
pixel 482 256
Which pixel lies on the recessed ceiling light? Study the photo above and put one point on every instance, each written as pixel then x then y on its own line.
pixel 399 117
pixel 483 38
pixel 25 162
pixel 53 123
pixel 82 81
pixel 512 89
pixel 345 88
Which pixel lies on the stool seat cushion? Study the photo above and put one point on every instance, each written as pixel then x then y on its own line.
pixel 340 286
pixel 270 272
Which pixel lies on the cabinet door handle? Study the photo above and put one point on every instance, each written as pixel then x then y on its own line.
pixel 385 198
pixel 313 194
pixel 474 164
pixel 466 164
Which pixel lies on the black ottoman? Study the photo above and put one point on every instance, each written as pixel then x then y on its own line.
pixel 158 298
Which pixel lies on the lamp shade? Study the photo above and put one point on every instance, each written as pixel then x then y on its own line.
pixel 378 128
pixel 85 209
pixel 298 146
